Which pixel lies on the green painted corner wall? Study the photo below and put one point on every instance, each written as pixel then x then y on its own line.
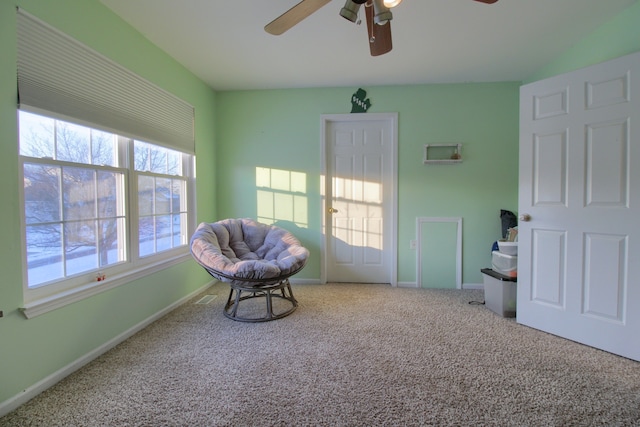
pixel 281 129
pixel 618 37
pixel 31 350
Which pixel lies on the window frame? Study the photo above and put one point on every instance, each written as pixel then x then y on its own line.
pixel 60 77
pixel 44 297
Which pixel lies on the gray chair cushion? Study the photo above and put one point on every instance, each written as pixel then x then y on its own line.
pixel 243 251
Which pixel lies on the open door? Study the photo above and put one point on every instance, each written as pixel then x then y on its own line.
pixel 579 205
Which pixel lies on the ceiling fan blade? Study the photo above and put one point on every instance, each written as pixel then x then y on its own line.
pixel 294 15
pixel 487 1
pixel 379 35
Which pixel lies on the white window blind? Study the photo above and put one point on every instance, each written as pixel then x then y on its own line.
pixel 59 74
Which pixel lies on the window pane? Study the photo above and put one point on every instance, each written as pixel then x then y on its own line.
pixel 44 253
pixel 163 233
pixel 146 188
pixel 174 163
pixel 85 243
pixel 141 156
pixel 163 196
pixel 146 236
pixel 80 246
pixel 73 142
pixel 111 250
pixel 177 197
pixel 158 160
pixel 41 193
pixel 103 148
pixel 179 230
pixel 162 210
pixel 36 135
pixel 150 158
pixel 79 193
pixel 76 221
pixel 109 187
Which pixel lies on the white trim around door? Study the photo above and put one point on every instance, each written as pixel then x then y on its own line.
pixel 391 182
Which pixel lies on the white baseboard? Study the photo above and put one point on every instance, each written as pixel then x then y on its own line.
pixel 295 281
pixel 407 284
pixel 400 284
pixel 464 285
pixel 37 388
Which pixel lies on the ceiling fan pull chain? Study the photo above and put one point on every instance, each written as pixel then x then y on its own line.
pixel 370 24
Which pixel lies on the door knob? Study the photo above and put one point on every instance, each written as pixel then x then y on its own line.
pixel 331 210
pixel 525 217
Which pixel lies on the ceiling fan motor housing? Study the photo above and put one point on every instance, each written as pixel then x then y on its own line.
pixel 381 13
pixel 351 8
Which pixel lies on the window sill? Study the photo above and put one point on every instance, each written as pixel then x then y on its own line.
pixel 44 305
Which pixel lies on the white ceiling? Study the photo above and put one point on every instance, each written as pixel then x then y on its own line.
pixel 434 41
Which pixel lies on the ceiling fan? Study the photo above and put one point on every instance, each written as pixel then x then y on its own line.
pixel 377 12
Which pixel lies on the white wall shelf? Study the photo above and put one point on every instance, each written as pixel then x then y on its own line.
pixel 442 153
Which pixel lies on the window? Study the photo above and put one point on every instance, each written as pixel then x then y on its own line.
pixel 97 204
pixel 107 160
pixel 162 207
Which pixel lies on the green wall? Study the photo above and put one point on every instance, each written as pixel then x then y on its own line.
pixel 31 350
pixel 618 37
pixel 281 129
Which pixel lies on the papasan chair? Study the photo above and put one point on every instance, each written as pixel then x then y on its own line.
pixel 256 260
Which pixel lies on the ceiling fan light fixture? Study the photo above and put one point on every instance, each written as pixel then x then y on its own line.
pixel 391 3
pixel 350 9
pixel 381 13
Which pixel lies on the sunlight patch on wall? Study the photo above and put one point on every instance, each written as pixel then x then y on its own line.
pixel 357 219
pixel 282 196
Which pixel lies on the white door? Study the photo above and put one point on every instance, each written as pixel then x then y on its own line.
pixel 359 211
pixel 579 206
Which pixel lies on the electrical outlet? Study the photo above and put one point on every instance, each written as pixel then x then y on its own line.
pixel 413 244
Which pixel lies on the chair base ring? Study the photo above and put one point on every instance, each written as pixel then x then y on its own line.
pixel 280 290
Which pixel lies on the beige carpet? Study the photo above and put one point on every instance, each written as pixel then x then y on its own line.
pixel 351 355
